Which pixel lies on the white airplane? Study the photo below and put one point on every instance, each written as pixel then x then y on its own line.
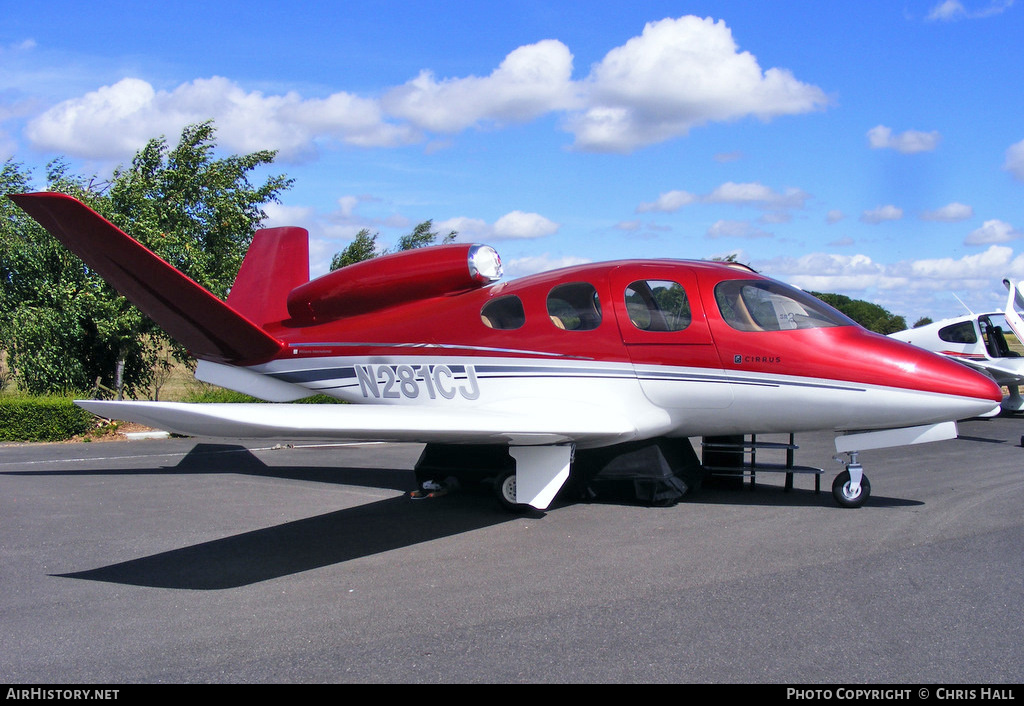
pixel 979 341
pixel 622 362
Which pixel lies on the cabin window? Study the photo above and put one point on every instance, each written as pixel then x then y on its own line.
pixel 760 305
pixel 574 307
pixel 503 313
pixel 962 332
pixel 995 339
pixel 658 305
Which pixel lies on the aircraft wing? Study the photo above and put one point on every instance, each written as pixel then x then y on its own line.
pixel 1005 371
pixel 532 425
pixel 541 437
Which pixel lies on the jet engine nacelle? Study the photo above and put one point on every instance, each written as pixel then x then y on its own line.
pixel 390 280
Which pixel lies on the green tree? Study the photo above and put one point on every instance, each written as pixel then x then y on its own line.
pixel 364 245
pixel 63 327
pixel 196 211
pixel 871 316
pixel 422 236
pixel 55 315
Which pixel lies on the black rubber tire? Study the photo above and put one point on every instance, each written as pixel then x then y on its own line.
pixel 505 490
pixel 841 494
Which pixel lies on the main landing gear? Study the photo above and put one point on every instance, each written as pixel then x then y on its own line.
pixel 505 489
pixel 851 487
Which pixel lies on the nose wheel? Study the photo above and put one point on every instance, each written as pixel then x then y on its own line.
pixel 851 487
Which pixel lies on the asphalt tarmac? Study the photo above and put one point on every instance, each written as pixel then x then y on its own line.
pixel 185 561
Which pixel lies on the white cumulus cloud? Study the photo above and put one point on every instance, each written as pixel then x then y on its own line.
pixel 1015 160
pixel 668 202
pixel 114 121
pixel 755 194
pixel 522 266
pixel 738 194
pixel 678 74
pixel 997 260
pixel 532 80
pixel 993 231
pixel 950 213
pixel 907 142
pixel 514 225
pixel 830 272
pixel 518 224
pixel 881 214
pixel 952 10
pixel 859 274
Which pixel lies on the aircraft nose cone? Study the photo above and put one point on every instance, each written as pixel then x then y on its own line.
pixel 972 393
pixel 954 378
pixel 986 388
pixel 955 391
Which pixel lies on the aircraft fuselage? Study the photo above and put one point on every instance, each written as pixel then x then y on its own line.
pixel 739 353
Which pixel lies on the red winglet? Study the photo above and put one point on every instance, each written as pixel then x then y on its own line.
pixel 192 315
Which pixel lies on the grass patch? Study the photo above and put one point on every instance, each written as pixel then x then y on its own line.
pixel 202 392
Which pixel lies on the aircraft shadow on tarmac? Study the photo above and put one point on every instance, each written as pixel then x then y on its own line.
pixel 765 495
pixel 301 545
pixel 294 547
pixel 365 530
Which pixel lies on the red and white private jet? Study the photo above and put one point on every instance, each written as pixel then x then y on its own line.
pixel 434 349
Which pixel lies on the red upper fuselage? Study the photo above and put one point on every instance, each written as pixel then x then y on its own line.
pixel 829 347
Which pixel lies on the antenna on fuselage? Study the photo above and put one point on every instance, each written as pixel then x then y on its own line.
pixel 962 303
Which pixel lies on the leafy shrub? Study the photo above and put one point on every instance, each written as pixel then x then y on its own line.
pixel 29 418
pixel 42 419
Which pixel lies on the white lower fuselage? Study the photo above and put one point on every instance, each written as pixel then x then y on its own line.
pixel 657 400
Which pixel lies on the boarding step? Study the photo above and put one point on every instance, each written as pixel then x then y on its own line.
pixel 726 457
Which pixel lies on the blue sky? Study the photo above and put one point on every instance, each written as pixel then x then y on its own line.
pixel 873 148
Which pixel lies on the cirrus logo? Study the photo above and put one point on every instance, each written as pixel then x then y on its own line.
pixel 739 359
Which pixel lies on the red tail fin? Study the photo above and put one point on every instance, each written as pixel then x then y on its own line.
pixel 277 263
pixel 190 314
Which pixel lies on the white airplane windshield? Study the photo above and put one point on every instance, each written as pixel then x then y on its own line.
pixel 758 305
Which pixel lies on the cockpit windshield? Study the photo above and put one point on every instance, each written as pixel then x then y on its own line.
pixel 760 305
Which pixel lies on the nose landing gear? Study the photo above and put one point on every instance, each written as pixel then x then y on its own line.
pixel 851 487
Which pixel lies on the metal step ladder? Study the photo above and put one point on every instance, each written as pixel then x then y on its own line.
pixel 727 459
